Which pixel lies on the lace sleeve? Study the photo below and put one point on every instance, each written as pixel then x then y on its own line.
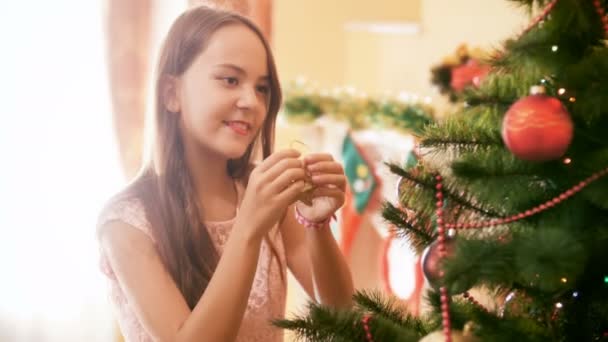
pixel 130 211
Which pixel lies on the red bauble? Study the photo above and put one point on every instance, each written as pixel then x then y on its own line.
pixel 472 72
pixel 537 128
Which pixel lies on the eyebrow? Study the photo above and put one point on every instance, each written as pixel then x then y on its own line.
pixel 240 70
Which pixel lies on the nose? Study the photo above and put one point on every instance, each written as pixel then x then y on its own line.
pixel 248 98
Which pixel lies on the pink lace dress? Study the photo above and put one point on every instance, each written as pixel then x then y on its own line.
pixel 266 300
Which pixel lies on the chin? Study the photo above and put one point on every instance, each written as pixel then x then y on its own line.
pixel 231 148
pixel 234 152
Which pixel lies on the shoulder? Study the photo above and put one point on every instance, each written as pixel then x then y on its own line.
pixel 123 230
pixel 126 207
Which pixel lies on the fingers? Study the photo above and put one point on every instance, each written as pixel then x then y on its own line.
pixel 276 157
pixel 283 170
pixel 329 180
pixel 287 178
pixel 282 166
pixel 291 193
pixel 325 171
pixel 317 157
pixel 323 167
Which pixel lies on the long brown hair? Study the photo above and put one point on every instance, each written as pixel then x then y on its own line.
pixel 165 185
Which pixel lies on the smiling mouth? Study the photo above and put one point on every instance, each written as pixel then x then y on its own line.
pixel 239 127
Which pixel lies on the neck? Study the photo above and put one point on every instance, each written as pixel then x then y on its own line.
pixel 209 175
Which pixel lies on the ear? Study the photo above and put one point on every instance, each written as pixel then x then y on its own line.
pixel 170 93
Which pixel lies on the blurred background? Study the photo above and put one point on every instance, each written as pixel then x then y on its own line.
pixel 75 93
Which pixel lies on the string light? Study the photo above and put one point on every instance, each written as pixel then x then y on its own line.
pixel 554 48
pixel 561 91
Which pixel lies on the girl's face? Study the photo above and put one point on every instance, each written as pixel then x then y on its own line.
pixel 223 97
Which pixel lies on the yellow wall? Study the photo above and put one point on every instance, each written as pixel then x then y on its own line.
pixel 309 37
pixel 310 40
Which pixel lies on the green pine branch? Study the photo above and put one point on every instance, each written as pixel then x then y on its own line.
pixel 494 162
pixel 585 82
pixel 375 302
pixel 488 325
pixel 479 262
pixel 597 194
pixel 584 30
pixel 408 229
pixel 499 179
pixel 474 128
pixel 427 183
pixel 323 324
pixel 501 89
pixel 538 258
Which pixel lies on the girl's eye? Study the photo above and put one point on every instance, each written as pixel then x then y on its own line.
pixel 231 81
pixel 264 89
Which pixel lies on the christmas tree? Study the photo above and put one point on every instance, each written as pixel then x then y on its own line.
pixel 509 194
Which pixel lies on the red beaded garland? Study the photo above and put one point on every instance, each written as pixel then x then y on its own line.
pixel 598 8
pixel 445 300
pixel 445 306
pixel 600 11
pixel 473 301
pixel 365 321
pixel 540 17
pixel 542 207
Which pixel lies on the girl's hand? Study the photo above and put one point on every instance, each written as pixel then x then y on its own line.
pixel 273 185
pixel 329 180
